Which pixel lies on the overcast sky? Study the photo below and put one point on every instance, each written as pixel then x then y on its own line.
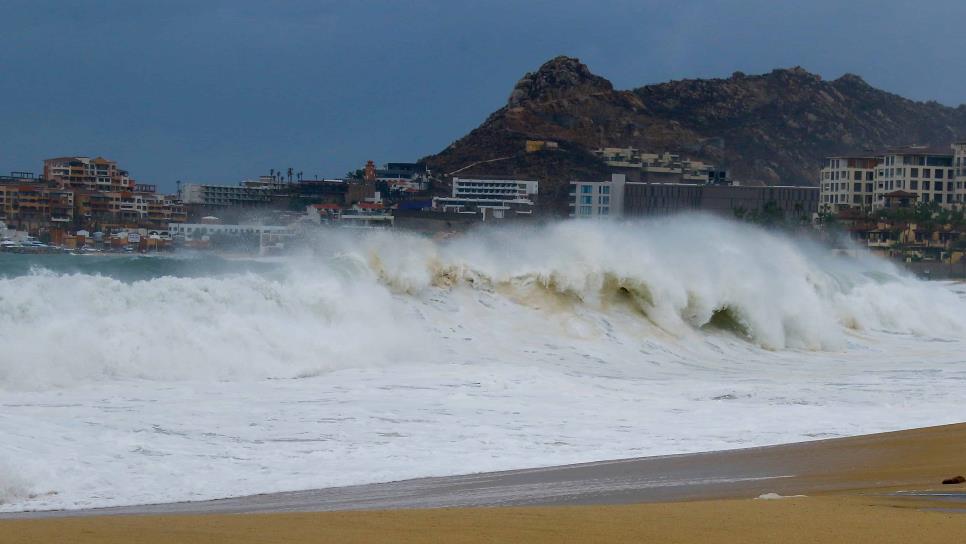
pixel 219 91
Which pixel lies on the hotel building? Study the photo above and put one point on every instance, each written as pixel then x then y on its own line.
pixel 849 181
pixel 920 171
pixel 496 198
pixel 83 173
pixel 903 176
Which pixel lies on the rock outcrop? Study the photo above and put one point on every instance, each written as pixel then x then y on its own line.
pixel 773 128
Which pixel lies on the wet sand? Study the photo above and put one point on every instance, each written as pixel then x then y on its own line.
pixel 849 485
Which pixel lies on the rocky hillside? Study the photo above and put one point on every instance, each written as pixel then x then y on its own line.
pixel 773 128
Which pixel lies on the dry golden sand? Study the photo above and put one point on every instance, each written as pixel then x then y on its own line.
pixel 858 510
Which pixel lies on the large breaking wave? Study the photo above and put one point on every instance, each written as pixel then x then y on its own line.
pixel 382 356
pixel 387 297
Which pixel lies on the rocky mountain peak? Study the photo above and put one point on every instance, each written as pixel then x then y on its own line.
pixel 795 73
pixel 773 128
pixel 852 79
pixel 557 78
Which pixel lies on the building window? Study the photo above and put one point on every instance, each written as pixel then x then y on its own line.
pixel 605 190
pixel 586 189
pixel 585 210
pixel 586 199
pixel 603 199
pixel 914 172
pixel 914 184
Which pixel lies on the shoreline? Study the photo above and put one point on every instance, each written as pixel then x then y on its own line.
pixel 850 485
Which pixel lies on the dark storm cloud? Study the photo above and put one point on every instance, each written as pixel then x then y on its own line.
pixel 219 91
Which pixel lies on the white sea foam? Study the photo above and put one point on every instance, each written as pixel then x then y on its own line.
pixel 13 486
pixel 386 355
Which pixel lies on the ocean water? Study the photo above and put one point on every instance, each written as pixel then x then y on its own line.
pixel 384 355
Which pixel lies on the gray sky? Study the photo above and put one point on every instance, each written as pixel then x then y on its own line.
pixel 218 91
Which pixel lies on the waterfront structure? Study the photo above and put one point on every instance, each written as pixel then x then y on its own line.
pixel 128 209
pixel 85 173
pixel 198 231
pixel 31 204
pixel 79 193
pixel 366 215
pixel 848 181
pixel 618 197
pixel 496 198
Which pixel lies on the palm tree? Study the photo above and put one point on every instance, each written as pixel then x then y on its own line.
pixel 290 174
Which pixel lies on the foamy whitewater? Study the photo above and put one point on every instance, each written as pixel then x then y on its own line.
pixel 383 356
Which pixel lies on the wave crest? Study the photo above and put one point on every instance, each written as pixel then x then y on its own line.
pixel 387 297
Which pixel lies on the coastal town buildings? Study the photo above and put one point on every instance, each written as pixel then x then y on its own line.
pixel 31 204
pixel 80 193
pixel 84 173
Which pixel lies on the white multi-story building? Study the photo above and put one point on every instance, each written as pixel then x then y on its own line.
pixel 598 199
pixel 920 171
pixel 848 181
pixel 246 194
pixel 494 189
pixel 491 197
pixel 902 176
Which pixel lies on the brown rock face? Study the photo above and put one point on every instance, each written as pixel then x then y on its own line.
pixel 558 79
pixel 773 128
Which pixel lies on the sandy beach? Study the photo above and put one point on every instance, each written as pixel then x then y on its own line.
pixel 850 486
